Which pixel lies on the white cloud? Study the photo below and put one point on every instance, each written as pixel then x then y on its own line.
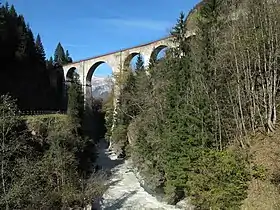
pixel 74 45
pixel 158 25
pixel 149 24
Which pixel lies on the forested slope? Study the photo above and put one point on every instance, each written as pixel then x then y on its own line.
pixel 190 123
pixel 23 71
pixel 47 161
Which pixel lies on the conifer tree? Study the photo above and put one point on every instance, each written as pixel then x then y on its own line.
pixel 75 107
pixel 49 63
pixel 22 40
pixel 59 54
pixel 51 60
pixel 23 72
pixel 179 32
pixel 12 11
pixel 68 58
pixel 139 65
pixel 40 49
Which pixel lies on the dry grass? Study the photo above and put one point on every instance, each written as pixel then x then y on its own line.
pixel 264 193
pixel 42 124
pixel 43 116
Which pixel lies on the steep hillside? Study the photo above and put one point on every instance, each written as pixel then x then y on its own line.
pixel 207 96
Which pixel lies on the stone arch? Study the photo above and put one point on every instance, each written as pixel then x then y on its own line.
pixel 130 57
pixel 89 78
pixel 91 71
pixel 70 74
pixel 156 52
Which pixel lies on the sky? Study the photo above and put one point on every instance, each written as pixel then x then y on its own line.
pixel 88 28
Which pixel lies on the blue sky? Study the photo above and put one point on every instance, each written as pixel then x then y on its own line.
pixel 92 27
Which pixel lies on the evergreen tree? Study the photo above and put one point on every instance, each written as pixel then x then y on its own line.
pixel 23 71
pixel 49 63
pixel 59 55
pixel 68 58
pixel 179 32
pixel 40 49
pixel 75 108
pixel 139 65
pixel 12 11
pixel 51 60
pixel 22 39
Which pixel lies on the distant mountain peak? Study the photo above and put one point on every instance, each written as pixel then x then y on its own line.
pixel 101 87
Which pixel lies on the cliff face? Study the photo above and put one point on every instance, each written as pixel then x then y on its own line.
pixel 191 17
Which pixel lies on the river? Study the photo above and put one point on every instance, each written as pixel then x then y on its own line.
pixel 125 191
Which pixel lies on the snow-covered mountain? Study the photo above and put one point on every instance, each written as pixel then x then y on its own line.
pixel 101 87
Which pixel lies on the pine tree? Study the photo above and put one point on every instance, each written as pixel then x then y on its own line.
pixel 23 72
pixel 40 49
pixel 49 63
pixel 75 107
pixel 51 60
pixel 31 48
pixel 12 11
pixel 22 39
pixel 179 32
pixel 139 66
pixel 68 58
pixel 59 54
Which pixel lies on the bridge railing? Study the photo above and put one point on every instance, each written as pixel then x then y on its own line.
pixel 39 112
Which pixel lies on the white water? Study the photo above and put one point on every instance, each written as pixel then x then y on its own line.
pixel 125 191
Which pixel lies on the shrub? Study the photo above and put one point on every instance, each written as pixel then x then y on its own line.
pixel 219 179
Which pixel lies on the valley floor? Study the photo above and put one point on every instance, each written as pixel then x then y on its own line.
pixel 125 191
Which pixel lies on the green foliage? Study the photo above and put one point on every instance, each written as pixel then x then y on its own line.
pixel 60 56
pixel 218 179
pixel 23 72
pixel 139 65
pixel 45 165
pixel 108 109
pixel 40 49
pixel 179 32
pixel 119 135
pixel 181 117
pixel 67 57
pixel 75 108
pixel 259 172
pixel 9 148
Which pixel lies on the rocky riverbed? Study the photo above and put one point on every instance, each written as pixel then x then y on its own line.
pixel 125 191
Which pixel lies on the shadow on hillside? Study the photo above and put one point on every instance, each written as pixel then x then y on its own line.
pixel 104 161
pixel 117 204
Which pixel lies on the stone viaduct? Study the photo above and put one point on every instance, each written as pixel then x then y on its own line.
pixel 116 60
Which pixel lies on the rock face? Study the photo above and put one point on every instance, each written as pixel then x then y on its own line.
pixel 101 87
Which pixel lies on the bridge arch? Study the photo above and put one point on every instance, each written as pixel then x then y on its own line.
pixel 91 71
pixel 156 52
pixel 131 59
pixel 89 77
pixel 70 74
